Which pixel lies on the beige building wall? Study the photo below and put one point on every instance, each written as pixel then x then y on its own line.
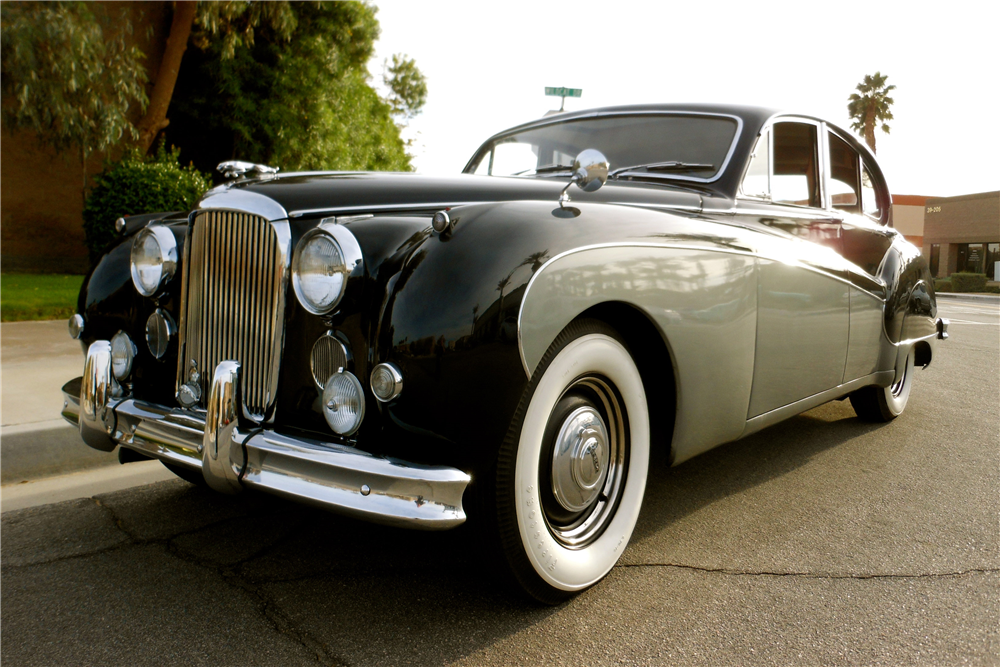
pixel 952 221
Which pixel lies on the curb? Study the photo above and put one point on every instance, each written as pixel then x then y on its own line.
pixel 35 451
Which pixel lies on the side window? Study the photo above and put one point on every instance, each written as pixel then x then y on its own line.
pixel 757 183
pixel 869 199
pixel 845 174
pixel 795 177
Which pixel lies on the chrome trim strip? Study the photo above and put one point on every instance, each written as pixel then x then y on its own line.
pixel 611 114
pixel 332 476
pixel 880 378
pixel 298 213
pixel 658 207
pixel 242 201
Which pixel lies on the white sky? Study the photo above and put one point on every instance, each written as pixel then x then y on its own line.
pixel 487 65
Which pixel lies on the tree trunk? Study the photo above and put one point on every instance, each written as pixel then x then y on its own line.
pixel 156 114
pixel 870 127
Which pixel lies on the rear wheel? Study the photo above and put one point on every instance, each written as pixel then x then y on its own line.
pixel 883 404
pixel 572 471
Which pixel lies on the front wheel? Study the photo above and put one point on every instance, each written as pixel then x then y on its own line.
pixel 572 471
pixel 883 404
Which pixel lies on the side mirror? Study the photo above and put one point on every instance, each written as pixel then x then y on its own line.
pixel 590 172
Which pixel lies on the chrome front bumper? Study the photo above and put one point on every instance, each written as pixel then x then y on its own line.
pixel 233 454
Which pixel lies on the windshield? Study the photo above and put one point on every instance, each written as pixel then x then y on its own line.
pixel 701 141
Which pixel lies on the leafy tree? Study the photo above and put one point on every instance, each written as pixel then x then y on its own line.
pixel 67 76
pixel 137 184
pixel 231 23
pixel 871 107
pixel 299 103
pixel 407 86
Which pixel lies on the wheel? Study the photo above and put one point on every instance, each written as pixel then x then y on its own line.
pixel 572 471
pixel 187 474
pixel 883 404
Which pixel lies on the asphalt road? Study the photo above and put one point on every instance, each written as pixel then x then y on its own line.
pixel 822 540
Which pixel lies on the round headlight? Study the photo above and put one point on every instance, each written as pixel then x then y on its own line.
pixel 160 329
pixel 343 403
pixel 324 259
pixel 319 273
pixel 154 259
pixel 122 353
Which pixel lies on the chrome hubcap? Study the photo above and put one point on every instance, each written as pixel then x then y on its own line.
pixel 584 461
pixel 580 459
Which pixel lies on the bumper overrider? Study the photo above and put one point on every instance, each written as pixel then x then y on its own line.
pixel 234 454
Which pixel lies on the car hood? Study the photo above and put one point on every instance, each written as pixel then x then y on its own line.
pixel 309 194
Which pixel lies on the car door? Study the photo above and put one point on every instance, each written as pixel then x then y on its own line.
pixel 803 316
pixel 858 193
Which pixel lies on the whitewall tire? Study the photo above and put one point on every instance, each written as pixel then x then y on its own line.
pixel 572 472
pixel 883 404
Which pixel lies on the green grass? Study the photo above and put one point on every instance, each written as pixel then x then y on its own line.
pixel 37 296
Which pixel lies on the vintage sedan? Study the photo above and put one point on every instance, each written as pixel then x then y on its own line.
pixel 513 341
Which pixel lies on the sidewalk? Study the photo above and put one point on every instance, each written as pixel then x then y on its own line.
pixel 37 359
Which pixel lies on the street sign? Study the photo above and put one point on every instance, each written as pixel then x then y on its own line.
pixel 564 92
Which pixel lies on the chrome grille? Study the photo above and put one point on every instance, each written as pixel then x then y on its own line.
pixel 235 302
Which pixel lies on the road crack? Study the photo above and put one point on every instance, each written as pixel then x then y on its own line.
pixel 812 575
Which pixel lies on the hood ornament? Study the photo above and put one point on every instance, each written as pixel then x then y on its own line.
pixel 239 168
pixel 590 172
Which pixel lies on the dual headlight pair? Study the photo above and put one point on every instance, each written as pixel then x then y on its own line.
pixel 324 259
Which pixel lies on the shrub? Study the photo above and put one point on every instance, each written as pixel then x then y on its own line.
pixel 137 184
pixel 942 285
pixel 968 282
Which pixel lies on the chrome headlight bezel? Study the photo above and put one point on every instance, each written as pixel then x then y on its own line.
pixel 167 245
pixel 350 265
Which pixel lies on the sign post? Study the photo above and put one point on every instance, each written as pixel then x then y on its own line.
pixel 563 93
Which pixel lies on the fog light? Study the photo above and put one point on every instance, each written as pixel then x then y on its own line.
pixel 343 403
pixel 76 326
pixel 122 353
pixel 387 382
pixel 160 329
pixel 329 355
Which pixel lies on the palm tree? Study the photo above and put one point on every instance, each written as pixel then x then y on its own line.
pixel 870 107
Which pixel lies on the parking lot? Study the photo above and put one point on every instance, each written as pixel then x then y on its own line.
pixel 822 540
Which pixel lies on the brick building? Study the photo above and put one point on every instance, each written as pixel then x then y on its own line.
pixel 963 234
pixel 41 191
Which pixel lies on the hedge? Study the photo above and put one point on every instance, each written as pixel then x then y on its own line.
pixel 137 184
pixel 968 282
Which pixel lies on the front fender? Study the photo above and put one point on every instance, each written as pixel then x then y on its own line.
pixel 450 318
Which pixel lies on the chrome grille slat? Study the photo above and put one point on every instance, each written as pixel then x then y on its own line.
pixel 235 303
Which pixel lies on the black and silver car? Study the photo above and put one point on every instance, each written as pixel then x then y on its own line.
pixel 513 341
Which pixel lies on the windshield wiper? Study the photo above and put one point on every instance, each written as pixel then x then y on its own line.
pixel 672 165
pixel 545 169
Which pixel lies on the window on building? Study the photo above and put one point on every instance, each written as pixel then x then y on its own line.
pixel 992 257
pixel 935 258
